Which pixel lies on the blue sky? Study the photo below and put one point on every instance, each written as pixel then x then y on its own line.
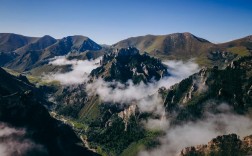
pixel 109 21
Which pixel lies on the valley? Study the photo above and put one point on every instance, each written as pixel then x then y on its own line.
pixel 142 96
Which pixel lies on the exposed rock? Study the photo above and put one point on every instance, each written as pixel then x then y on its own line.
pixel 128 64
pixel 127 113
pixel 232 85
pixel 130 51
pixel 221 145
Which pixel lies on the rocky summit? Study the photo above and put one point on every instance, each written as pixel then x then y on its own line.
pixel 221 145
pixel 128 64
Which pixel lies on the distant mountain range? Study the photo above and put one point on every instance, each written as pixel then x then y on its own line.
pixel 186 45
pixel 24 53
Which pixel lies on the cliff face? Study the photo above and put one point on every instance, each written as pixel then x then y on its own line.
pixel 22 111
pixel 26 123
pixel 221 145
pixel 231 85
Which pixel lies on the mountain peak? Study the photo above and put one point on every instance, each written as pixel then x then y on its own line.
pixel 128 64
pixel 10 42
pixel 47 36
pixel 130 51
pixel 167 46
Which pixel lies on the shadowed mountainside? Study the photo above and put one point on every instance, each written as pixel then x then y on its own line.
pixel 24 53
pixel 21 108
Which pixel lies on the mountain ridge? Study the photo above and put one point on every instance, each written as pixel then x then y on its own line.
pixel 27 52
pixel 16 49
pixel 184 46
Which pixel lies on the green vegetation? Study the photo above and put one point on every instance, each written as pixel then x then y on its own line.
pixel 240 50
pixel 12 72
pixel 148 142
pixel 229 85
pixel 91 110
pixel 114 139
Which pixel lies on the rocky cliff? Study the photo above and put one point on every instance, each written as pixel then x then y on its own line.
pixel 221 145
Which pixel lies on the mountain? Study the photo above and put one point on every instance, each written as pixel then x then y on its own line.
pixel 70 44
pixel 87 108
pixel 10 84
pixel 121 66
pixel 39 44
pixel 187 101
pixel 31 128
pixel 18 83
pixel 242 46
pixel 40 133
pixel 172 46
pixel 6 57
pixel 180 43
pixel 186 46
pixel 10 42
pixel 112 125
pixel 119 126
pixel 46 68
pixel 221 145
pixel 24 53
pixel 128 64
pixel 231 85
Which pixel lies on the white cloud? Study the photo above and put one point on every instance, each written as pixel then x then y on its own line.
pixel 146 98
pixel 13 142
pixel 180 69
pixel 80 70
pixel 202 131
pixel 145 95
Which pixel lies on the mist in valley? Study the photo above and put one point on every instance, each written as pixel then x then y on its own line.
pixel 147 99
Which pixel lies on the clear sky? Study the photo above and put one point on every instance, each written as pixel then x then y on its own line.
pixel 109 21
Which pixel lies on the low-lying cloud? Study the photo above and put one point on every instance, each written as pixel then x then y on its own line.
pixel 79 73
pixel 145 94
pixel 13 142
pixel 201 131
pixel 146 98
pixel 181 69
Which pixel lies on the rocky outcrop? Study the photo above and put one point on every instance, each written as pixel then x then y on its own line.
pixel 221 145
pixel 231 85
pixel 70 100
pixel 127 113
pixel 127 64
pixel 220 57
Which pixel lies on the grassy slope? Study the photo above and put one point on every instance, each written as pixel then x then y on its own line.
pixel 183 46
pixel 134 148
